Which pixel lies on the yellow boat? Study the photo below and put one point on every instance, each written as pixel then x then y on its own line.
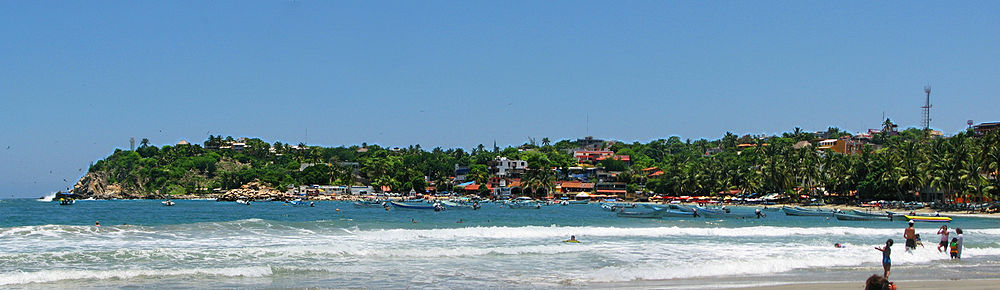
pixel 930 219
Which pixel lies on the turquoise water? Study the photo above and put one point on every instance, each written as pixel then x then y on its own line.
pixel 197 244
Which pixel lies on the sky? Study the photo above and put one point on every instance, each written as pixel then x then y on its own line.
pixel 79 78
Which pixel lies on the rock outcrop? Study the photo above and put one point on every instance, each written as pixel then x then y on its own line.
pixel 252 191
pixel 95 185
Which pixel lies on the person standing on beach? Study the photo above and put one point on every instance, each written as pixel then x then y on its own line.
pixel 943 231
pixel 910 234
pixel 886 260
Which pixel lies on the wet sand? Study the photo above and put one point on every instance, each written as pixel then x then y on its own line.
pixel 917 284
pixel 907 285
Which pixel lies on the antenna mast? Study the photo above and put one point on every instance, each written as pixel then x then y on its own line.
pixel 927 108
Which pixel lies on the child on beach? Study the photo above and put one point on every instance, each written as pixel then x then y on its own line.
pixel 961 241
pixel 954 248
pixel 886 261
pixel 919 242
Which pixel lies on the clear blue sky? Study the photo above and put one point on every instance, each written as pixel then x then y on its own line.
pixel 78 78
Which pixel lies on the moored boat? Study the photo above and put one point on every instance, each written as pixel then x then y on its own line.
pixel 168 203
pixel 678 213
pixel 412 205
pixel 459 205
pixel 655 214
pixel 523 205
pixel 805 212
pixel 855 217
pixel 928 219
pixel 723 213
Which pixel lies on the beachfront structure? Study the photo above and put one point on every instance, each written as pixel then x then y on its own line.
pixel 612 188
pixel 574 187
pixel 503 167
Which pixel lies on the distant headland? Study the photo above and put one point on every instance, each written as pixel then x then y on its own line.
pixel 912 164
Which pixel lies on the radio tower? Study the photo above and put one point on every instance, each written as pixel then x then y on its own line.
pixel 927 108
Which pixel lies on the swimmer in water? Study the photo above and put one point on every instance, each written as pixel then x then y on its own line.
pixel 572 239
pixel 97 224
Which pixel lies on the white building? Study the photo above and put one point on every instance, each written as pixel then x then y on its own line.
pixel 503 167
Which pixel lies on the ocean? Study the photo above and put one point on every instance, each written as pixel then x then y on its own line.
pixel 208 244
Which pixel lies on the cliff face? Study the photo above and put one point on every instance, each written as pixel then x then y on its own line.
pixel 95 185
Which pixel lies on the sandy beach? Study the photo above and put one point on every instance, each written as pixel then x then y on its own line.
pixel 913 284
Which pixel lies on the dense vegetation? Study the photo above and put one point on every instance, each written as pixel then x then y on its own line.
pixel 902 166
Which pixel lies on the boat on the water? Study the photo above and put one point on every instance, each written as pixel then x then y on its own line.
pixel 616 206
pixel 523 205
pixel 655 214
pixel 66 201
pixel 869 213
pixel 412 205
pixel 855 217
pixel 798 211
pixel 299 202
pixel 677 213
pixel 168 203
pixel 928 219
pixel 460 205
pixel 725 215
pixel 913 214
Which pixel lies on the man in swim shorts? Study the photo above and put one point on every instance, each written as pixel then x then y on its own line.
pixel 910 234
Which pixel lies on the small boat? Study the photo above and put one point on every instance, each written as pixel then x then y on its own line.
pixel 579 201
pixel 855 217
pixel 616 206
pixel 870 214
pixel 66 201
pixel 805 212
pixel 913 214
pixel 928 219
pixel 772 209
pixel 523 205
pixel 299 202
pixel 717 213
pixel 678 213
pixel 412 206
pixel 168 203
pixel 640 214
pixel 458 205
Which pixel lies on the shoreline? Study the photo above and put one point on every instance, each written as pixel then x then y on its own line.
pixel 901 284
pixel 352 198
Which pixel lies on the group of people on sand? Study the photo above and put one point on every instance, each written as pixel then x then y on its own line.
pixel 953 247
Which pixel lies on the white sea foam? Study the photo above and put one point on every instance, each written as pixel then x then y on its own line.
pixel 48 197
pixel 606 254
pixel 12 278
